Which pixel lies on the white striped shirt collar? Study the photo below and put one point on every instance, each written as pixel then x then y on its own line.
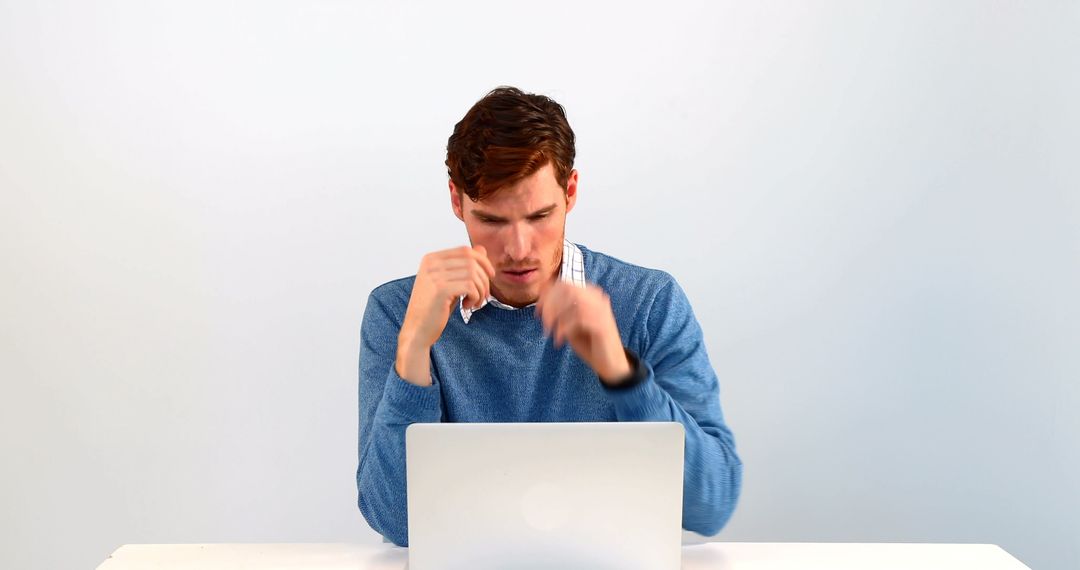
pixel 572 271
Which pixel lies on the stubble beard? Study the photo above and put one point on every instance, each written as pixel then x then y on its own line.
pixel 553 275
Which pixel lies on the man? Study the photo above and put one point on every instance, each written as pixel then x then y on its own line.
pixel 525 326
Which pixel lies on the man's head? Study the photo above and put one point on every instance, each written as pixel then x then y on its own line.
pixel 512 181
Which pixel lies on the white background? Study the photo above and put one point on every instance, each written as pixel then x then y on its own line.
pixel 874 208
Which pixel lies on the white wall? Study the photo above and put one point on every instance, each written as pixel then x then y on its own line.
pixel 874 207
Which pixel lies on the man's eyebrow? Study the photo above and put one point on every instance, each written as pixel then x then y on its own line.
pixel 492 217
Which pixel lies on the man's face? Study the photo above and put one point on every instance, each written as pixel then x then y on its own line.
pixel 522 227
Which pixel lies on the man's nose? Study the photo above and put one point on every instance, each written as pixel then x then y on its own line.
pixel 519 242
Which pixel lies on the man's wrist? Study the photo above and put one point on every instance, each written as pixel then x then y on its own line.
pixel 413 362
pixel 625 371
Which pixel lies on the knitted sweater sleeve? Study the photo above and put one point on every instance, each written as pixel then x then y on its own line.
pixel 388 405
pixel 680 385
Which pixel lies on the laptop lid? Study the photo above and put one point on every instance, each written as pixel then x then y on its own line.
pixel 545 495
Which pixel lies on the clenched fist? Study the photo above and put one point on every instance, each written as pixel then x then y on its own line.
pixel 443 278
pixel 583 318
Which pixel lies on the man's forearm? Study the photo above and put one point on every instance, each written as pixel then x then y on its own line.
pixel 381 485
pixel 713 471
pixel 381 474
pixel 413 362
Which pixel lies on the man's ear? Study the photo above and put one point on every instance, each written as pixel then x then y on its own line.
pixel 571 190
pixel 455 202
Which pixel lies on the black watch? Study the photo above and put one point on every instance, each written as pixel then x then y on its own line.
pixel 637 375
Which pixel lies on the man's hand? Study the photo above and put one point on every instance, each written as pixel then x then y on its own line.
pixel 443 277
pixel 583 317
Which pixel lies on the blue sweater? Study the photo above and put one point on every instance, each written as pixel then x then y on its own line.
pixel 500 368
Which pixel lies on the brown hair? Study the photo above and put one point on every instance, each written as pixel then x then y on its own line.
pixel 505 137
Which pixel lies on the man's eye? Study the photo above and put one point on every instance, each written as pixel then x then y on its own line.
pixel 489 221
pixel 538 218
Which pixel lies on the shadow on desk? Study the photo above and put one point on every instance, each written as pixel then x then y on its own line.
pixel 710 556
pixel 688 538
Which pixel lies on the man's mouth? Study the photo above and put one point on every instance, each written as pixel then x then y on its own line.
pixel 519 275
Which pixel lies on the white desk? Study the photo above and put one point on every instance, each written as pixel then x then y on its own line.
pixel 712 556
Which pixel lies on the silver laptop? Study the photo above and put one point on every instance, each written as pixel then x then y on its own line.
pixel 545 495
